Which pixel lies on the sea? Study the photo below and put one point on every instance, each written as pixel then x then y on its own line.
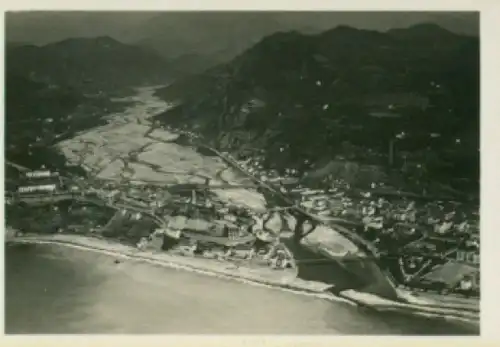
pixel 54 289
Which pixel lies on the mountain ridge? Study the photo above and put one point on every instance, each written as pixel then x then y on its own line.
pixel 100 63
pixel 340 86
pixel 216 37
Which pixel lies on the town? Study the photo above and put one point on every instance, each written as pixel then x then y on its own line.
pixel 423 244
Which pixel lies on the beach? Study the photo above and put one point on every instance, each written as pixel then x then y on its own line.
pixel 256 277
pixel 55 288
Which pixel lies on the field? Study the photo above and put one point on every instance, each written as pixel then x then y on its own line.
pixel 131 148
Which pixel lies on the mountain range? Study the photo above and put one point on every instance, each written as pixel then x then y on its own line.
pixel 100 63
pixel 301 96
pixel 344 92
pixel 203 38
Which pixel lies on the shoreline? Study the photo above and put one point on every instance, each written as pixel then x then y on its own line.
pixel 247 275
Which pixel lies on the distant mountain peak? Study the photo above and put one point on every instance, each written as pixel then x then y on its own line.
pixel 341 30
pixel 283 35
pixel 422 29
pixel 89 63
pixel 98 41
pixel 345 28
pixel 348 33
pixel 428 26
pixel 107 40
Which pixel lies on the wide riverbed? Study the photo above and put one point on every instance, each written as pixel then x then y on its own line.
pixel 57 289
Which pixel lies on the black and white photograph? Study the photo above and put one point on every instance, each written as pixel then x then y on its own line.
pixel 242 172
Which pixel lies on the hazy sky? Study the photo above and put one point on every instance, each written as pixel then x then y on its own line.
pixel 44 27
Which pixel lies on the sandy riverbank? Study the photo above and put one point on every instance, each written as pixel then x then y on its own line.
pixel 256 276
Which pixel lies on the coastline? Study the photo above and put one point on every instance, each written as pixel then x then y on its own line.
pixel 250 276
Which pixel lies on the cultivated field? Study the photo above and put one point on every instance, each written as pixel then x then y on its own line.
pixel 130 148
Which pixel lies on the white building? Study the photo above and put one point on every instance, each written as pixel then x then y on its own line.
pixel 41 174
pixel 37 188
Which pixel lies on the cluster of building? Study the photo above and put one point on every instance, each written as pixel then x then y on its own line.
pixel 255 167
pixel 390 223
pixel 393 223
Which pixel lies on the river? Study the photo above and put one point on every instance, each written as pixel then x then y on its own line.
pixel 57 289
